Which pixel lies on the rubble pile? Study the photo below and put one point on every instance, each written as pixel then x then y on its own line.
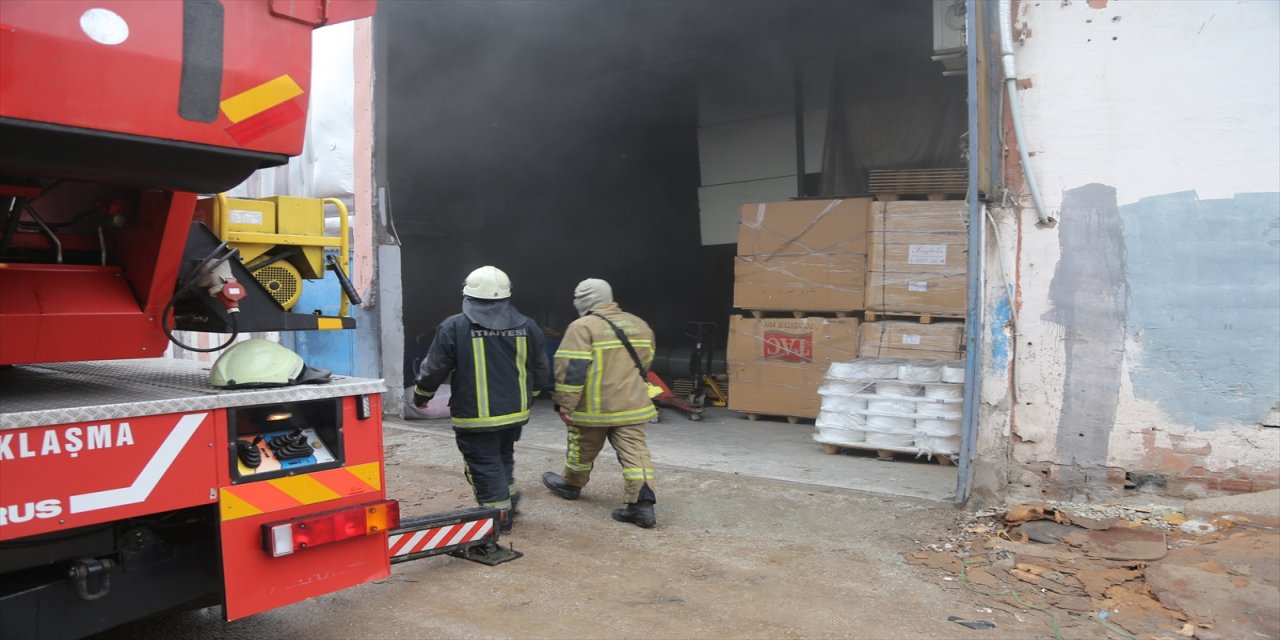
pixel 1119 571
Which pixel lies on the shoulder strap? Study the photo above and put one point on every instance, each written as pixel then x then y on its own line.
pixel 625 342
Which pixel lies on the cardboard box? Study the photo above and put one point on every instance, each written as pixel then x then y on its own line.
pixel 920 216
pixel 937 341
pixel 776 364
pixel 917 293
pixel 775 390
pixel 818 282
pixel 804 227
pixel 942 254
pixel 919 258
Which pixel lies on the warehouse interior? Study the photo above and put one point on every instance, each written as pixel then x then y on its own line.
pixel 566 140
pixel 560 141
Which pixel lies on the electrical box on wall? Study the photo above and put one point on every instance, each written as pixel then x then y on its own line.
pixel 949 36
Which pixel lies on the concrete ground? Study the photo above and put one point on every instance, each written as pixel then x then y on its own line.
pixel 760 535
pixel 725 441
pixel 775 542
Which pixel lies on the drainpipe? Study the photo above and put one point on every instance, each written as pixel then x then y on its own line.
pixel 1015 114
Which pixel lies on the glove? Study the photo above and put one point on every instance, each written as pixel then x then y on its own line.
pixel 421 398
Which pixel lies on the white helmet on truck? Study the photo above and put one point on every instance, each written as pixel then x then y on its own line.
pixel 262 363
pixel 487 283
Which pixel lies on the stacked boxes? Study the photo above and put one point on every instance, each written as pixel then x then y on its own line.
pixel 776 364
pixel 807 255
pixel 837 257
pixel 919 258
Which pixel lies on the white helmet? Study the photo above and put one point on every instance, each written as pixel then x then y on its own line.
pixel 487 283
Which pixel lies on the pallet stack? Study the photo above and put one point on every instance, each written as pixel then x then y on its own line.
pixel 917 280
pixel 831 280
pixel 892 406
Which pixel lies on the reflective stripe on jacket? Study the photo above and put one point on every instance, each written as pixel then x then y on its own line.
pixel 495 371
pixel 596 377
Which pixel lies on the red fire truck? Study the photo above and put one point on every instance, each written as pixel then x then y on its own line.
pixel 129 485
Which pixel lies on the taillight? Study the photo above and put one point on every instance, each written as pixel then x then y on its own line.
pixel 284 538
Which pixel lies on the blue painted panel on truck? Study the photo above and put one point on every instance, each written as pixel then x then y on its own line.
pixel 333 350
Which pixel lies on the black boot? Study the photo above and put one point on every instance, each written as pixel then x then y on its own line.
pixel 638 513
pixel 504 521
pixel 515 504
pixel 557 484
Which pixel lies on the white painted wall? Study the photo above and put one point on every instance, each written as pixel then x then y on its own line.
pixel 1180 93
pixel 1151 98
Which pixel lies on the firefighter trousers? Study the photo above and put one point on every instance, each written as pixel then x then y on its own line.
pixel 490 463
pixel 628 442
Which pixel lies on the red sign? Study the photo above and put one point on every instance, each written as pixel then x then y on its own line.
pixel 788 346
pixel 65 476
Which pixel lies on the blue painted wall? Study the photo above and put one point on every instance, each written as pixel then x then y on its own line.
pixel 1204 305
pixel 998 324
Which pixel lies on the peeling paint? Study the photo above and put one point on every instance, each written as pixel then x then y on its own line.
pixel 1150 297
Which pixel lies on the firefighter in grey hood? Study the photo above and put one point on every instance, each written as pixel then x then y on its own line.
pixel 497 359
pixel 601 396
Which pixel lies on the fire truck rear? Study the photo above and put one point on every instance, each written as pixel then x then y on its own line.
pixel 129 485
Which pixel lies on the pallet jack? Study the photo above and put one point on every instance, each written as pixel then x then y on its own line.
pixel 693 405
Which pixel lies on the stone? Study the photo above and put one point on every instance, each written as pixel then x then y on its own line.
pixel 1121 543
pixel 1263 504
pixel 1046 531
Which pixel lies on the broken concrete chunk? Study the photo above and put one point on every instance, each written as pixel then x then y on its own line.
pixel 1231 584
pixel 1197 527
pixel 1089 522
pixel 1263 505
pixel 1045 531
pixel 1121 543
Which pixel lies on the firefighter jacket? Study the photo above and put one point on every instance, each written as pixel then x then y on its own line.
pixel 498 360
pixel 596 379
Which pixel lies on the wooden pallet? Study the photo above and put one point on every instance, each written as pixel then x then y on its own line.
pixel 917 180
pixel 922 318
pixel 934 196
pixel 888 455
pixel 753 416
pixel 781 313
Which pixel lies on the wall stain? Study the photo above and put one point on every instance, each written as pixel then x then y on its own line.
pixel 1204 306
pixel 1088 296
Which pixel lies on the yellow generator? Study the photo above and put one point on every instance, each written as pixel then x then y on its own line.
pixel 281 242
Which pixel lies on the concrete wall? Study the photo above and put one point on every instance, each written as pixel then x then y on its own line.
pixel 1136 345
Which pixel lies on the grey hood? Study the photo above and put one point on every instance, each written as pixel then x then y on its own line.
pixel 492 314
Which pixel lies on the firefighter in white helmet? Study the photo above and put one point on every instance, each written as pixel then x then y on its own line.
pixel 498 360
pixel 601 395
